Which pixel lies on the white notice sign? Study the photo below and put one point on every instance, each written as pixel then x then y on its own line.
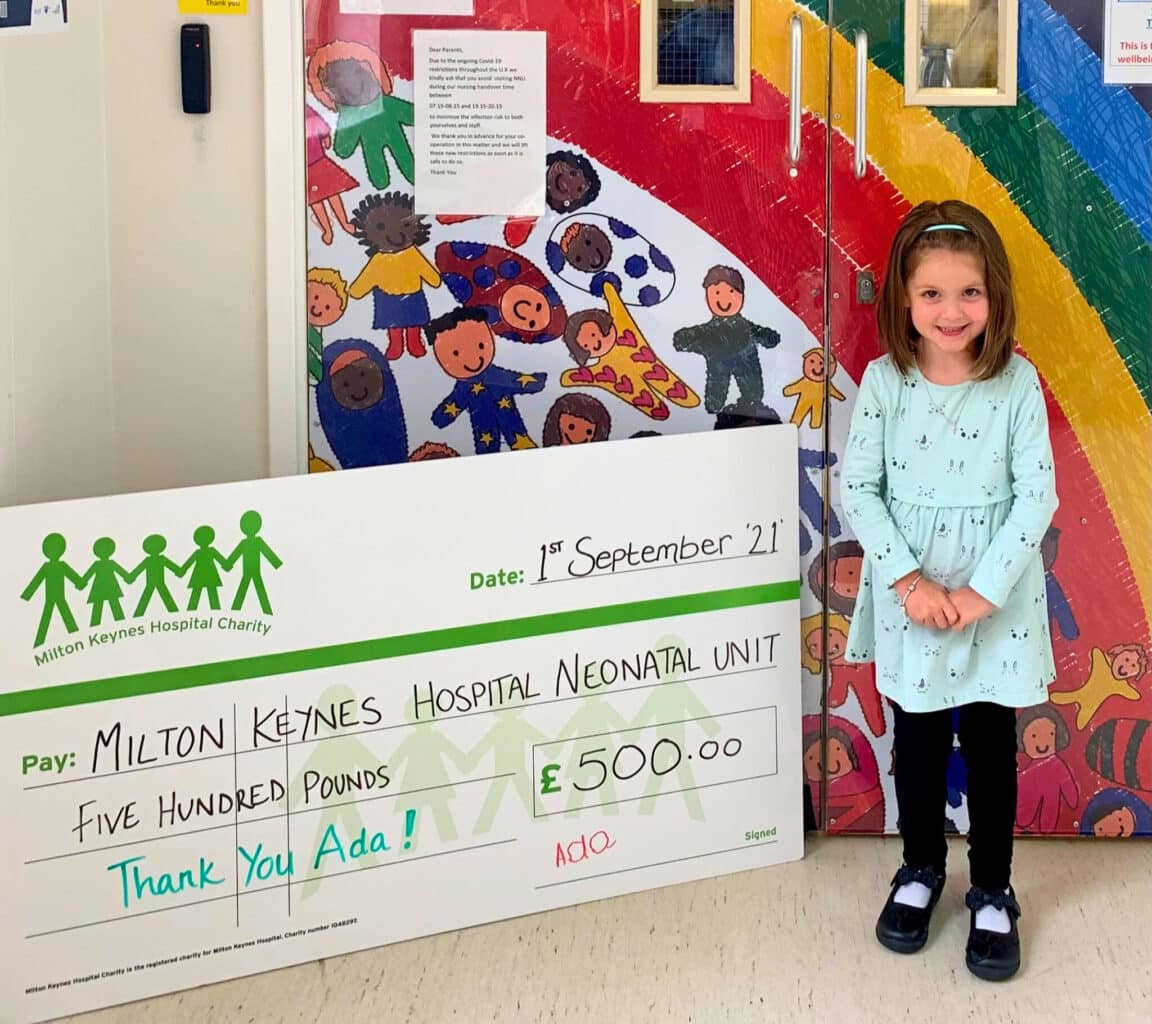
pixel 262 723
pixel 1128 41
pixel 480 122
pixel 406 7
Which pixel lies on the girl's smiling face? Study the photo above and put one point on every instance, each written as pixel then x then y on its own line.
pixel 576 429
pixel 1126 665
pixel 1039 739
pixel 948 300
pixel 324 307
pixel 391 226
pixel 594 341
pixel 839 762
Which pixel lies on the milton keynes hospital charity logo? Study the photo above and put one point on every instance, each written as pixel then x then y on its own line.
pixel 203 573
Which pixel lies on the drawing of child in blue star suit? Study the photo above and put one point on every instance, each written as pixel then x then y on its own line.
pixel 465 348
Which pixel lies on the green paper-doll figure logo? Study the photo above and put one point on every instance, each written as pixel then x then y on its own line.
pixel 105 589
pixel 103 584
pixel 52 576
pixel 153 568
pixel 205 578
pixel 250 552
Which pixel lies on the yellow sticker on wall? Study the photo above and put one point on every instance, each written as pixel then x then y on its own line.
pixel 213 6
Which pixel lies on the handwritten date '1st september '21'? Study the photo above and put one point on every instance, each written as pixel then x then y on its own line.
pixel 584 557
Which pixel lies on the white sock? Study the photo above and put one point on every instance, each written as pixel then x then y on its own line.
pixel 990 919
pixel 914 894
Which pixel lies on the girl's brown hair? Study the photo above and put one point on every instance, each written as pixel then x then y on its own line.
pixel 980 239
pixel 1030 715
pixel 576 404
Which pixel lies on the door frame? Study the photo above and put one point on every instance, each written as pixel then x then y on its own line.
pixel 285 236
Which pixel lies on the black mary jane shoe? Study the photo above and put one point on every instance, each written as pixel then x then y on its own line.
pixel 904 929
pixel 993 956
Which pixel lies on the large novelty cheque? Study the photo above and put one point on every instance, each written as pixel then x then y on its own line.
pixel 256 724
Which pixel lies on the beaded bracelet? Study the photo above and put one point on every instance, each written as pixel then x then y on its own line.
pixel 911 586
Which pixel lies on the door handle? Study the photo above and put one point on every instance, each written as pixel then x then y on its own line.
pixel 795 79
pixel 861 162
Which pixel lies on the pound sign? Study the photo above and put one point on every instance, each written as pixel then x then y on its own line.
pixel 548 783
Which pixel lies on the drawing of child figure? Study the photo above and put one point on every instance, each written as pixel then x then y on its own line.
pixel 576 419
pixel 327 180
pixel 465 348
pixel 727 342
pixel 855 797
pixel 396 270
pixel 1116 814
pixel 1044 778
pixel 809 389
pixel 611 355
pixel 350 79
pixel 327 301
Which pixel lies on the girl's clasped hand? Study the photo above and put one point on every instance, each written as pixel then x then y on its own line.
pixel 929 604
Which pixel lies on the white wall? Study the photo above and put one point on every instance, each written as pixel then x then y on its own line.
pixel 56 402
pixel 132 331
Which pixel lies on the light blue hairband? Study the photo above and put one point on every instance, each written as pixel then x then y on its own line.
pixel 945 227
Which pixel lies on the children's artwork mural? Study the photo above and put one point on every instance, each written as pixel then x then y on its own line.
pixel 680 279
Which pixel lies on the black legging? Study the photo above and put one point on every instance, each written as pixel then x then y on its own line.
pixel 922 744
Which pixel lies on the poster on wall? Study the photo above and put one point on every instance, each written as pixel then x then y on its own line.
pixel 246 729
pixel 29 17
pixel 1128 40
pixel 480 122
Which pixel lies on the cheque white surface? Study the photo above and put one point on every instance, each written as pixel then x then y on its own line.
pixel 251 725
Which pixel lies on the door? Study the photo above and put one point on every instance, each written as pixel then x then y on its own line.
pixel 691 195
pixel 1065 176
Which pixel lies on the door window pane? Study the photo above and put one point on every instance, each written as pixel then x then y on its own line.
pixel 959 44
pixel 696 42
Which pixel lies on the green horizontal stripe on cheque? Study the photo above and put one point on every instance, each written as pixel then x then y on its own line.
pixel 166 680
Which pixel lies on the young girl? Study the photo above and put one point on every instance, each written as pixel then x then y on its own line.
pixel 948 482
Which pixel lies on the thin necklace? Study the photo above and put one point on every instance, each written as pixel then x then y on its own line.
pixel 952 421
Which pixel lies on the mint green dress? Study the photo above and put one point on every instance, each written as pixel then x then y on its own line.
pixel 958 483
